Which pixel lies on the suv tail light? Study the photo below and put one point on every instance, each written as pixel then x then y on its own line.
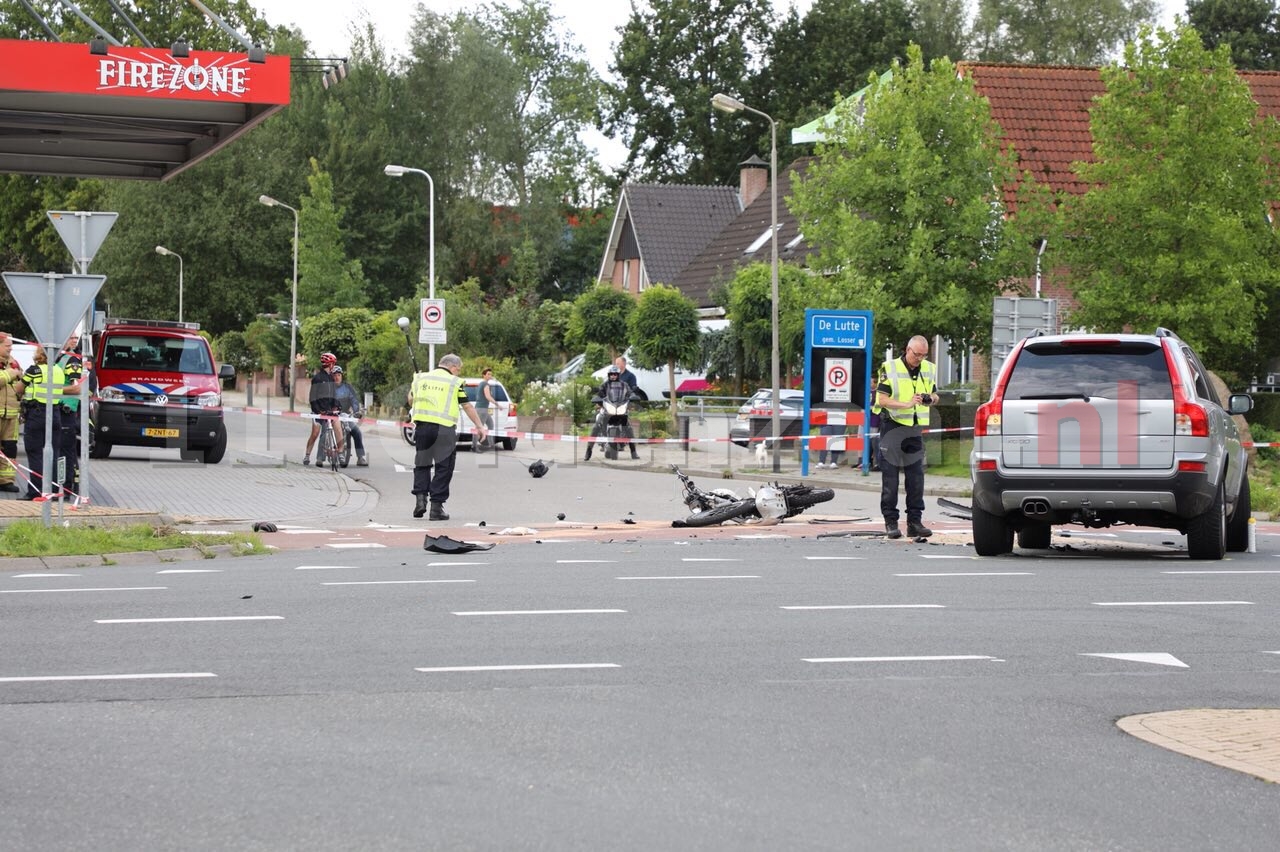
pixel 987 420
pixel 1189 418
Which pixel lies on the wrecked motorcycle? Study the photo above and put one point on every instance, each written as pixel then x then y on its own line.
pixel 770 501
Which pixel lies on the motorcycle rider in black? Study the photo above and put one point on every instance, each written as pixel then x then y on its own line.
pixel 614 389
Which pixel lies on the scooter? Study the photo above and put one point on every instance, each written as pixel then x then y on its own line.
pixel 772 501
pixel 612 421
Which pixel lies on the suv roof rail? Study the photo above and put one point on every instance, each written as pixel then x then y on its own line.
pixel 189 326
pixel 1161 331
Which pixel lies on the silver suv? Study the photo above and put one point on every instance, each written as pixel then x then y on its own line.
pixel 1102 429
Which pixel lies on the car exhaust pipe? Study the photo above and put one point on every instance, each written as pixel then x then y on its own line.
pixel 1033 506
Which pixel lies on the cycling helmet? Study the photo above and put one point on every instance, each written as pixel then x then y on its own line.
pixel 337 370
pixel 328 359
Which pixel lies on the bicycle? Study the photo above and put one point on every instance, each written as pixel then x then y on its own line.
pixel 348 425
pixel 329 453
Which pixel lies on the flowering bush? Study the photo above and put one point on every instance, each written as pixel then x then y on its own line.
pixel 547 399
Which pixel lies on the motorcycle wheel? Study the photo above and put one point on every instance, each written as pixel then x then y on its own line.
pixel 799 500
pixel 720 514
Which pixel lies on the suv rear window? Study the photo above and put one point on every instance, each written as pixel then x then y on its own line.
pixel 1058 371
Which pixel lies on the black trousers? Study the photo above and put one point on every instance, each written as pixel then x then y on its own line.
pixel 436 450
pixel 70 434
pixel 33 444
pixel 901 450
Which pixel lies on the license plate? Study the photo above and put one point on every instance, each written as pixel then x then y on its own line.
pixel 160 433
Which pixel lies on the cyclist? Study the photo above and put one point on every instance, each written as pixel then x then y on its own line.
pixel 324 404
pixel 349 403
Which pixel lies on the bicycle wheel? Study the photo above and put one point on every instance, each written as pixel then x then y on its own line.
pixel 344 458
pixel 803 498
pixel 331 447
pixel 720 514
pixel 407 433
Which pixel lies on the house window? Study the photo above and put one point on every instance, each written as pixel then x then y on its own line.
pixel 626 276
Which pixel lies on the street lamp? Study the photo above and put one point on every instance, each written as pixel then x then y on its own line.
pixel 293 318
pixel 403 322
pixel 401 171
pixel 728 104
pixel 164 251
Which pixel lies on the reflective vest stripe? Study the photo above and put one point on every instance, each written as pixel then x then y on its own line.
pixel 435 398
pixel 38 390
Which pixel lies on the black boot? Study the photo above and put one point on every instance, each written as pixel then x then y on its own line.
pixel 915 529
pixel 420 507
pixel 891 530
pixel 438 513
pixel 634 455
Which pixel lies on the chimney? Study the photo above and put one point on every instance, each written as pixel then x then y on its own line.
pixel 753 179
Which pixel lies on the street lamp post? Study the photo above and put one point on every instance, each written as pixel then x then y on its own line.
pixel 293 317
pixel 728 104
pixel 164 251
pixel 400 171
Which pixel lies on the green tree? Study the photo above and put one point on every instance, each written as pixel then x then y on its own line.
pixel 326 279
pixel 750 312
pixel 941 28
pixel 1175 231
pixel 672 57
pixel 906 207
pixel 1056 32
pixel 600 316
pixel 664 330
pixel 338 331
pixel 1250 27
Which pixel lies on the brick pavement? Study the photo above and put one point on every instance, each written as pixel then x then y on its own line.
pixel 1246 740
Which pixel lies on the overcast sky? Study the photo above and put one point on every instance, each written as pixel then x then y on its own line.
pixel 594 23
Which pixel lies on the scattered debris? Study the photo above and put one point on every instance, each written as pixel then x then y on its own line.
pixel 265 526
pixel 628 520
pixel 444 544
pixel 965 512
pixel 560 516
pixel 516 531
pixel 538 469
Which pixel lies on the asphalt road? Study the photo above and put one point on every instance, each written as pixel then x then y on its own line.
pixel 765 694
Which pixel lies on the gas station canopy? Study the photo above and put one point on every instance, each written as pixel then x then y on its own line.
pixel 127 112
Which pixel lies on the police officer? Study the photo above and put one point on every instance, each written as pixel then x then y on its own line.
pixel 906 389
pixel 72 365
pixel 434 402
pixel 42 383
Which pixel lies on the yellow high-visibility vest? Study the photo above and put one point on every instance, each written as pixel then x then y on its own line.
pixel 38 388
pixel 435 397
pixel 896 375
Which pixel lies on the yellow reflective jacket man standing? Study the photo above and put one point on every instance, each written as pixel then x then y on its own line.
pixel 904 394
pixel 435 399
pixel 42 384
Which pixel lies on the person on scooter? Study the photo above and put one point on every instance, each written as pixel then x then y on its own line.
pixel 614 389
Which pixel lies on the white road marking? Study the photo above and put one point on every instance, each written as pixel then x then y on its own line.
pixel 190 571
pixel 539 611
pixel 45 575
pixel 392 582
pixel 156 676
pixel 519 668
pixel 1155 659
pixel 585 561
pixel 321 567
pixel 832 558
pixel 192 618
pixel 115 589
pixel 973 574
pixel 869 606
pixel 304 531
pixel 928 659
pixel 709 559
pixel 946 556
pixel 1220 572
pixel 1173 603
pixel 698 577
pixel 452 564
pixel 354 546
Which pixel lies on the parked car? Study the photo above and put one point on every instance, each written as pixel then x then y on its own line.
pixel 760 407
pixel 504 417
pixel 1099 429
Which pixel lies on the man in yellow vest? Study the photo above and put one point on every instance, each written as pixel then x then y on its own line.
pixel 906 389
pixel 11 388
pixel 434 402
pixel 42 382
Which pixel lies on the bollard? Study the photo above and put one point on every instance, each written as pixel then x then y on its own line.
pixel 1253 535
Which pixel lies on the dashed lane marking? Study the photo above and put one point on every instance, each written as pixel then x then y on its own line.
pixel 831 558
pixel 16 576
pixel 519 668
pixel 1173 603
pixel 153 676
pixel 1157 659
pixel 354 545
pixel 109 589
pixel 972 574
pixel 189 619
pixel 697 577
pixel 540 612
pixel 866 606
pixel 392 582
pixel 939 658
pixel 190 571
pixel 1220 572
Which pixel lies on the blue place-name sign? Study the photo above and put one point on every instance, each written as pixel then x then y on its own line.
pixel 838 330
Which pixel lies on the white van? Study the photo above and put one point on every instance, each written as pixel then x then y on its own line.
pixel 503 418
